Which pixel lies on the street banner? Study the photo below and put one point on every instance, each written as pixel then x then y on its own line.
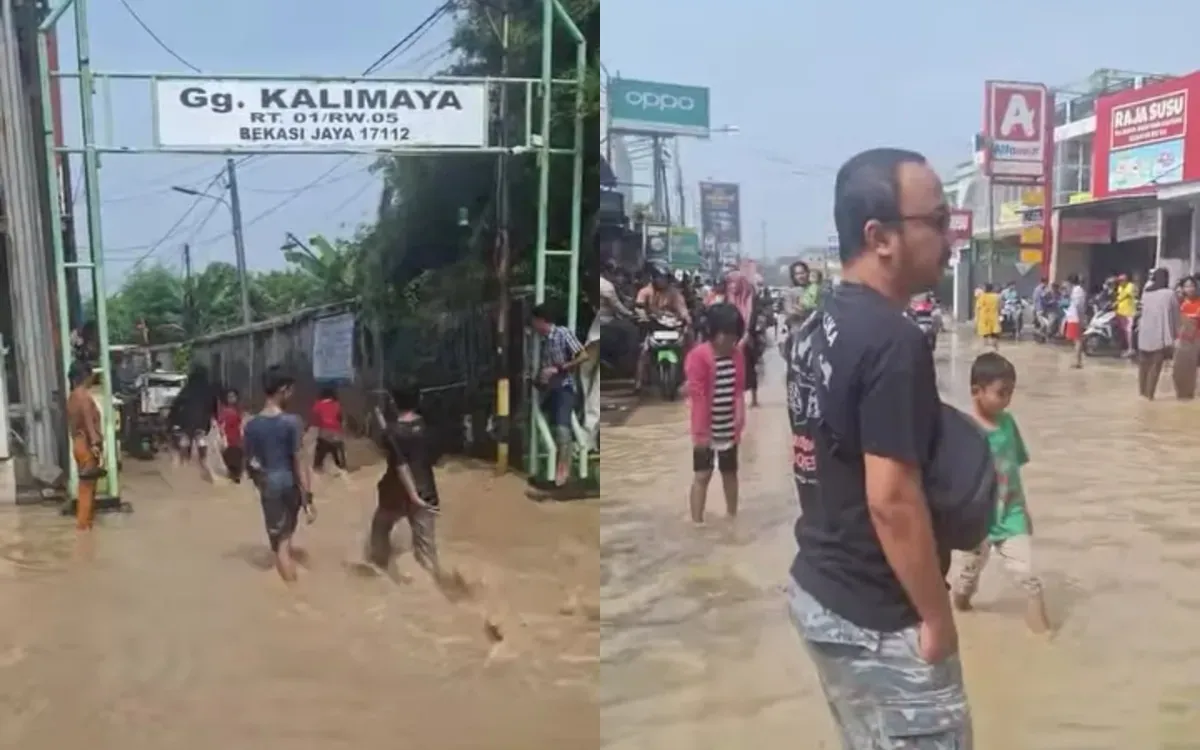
pixel 721 220
pixel 271 114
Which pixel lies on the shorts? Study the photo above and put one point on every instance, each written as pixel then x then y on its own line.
pixel 196 438
pixel 281 513
pixel 1072 330
pixel 881 692
pixel 393 505
pixel 704 458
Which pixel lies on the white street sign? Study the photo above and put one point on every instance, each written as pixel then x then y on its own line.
pixel 266 114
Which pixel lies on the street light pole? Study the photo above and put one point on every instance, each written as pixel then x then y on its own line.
pixel 239 246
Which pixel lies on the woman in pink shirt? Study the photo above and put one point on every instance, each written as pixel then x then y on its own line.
pixel 716 377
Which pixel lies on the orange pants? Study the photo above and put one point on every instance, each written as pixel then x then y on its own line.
pixel 85 504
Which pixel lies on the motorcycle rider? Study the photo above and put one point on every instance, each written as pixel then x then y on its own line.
pixel 1010 307
pixel 658 297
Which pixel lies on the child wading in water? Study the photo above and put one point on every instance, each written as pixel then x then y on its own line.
pixel 716 377
pixel 273 452
pixel 230 419
pixel 1010 535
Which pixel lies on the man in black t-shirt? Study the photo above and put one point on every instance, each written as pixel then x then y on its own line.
pixel 869 595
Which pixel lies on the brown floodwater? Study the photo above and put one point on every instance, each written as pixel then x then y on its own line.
pixel 168 630
pixel 697 651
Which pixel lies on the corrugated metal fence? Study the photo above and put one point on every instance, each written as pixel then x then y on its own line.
pixel 451 356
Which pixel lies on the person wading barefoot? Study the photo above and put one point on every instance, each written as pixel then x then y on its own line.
pixel 87 441
pixel 716 375
pixel 407 489
pixel 273 452
pixel 868 595
pixel 1010 535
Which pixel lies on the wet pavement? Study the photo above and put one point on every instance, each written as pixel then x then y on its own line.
pixel 697 651
pixel 170 631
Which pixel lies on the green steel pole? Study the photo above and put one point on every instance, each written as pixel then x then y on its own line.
pixel 91 185
pixel 56 239
pixel 577 187
pixel 539 281
pixel 54 15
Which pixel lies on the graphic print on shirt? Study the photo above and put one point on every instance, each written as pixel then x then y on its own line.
pixel 809 372
pixel 723 404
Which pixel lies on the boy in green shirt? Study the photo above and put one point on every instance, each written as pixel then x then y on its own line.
pixel 1010 535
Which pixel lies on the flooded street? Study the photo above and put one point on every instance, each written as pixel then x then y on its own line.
pixel 697 651
pixel 172 631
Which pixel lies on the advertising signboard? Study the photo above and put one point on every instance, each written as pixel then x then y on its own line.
pixel 960 228
pixel 1017 136
pixel 1082 230
pixel 685 248
pixel 232 114
pixel 720 219
pixel 1142 138
pixel 648 108
pixel 656 241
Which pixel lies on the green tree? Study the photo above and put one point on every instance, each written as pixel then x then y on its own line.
pixel 331 269
pixel 418 230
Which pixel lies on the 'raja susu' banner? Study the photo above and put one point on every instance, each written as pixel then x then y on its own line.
pixel 1142 139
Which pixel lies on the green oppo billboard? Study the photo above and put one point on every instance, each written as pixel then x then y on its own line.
pixel 648 108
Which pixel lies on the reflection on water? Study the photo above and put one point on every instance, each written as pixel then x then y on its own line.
pixel 172 630
pixel 697 652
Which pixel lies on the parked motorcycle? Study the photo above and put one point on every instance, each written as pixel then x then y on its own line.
pixel 1103 336
pixel 665 341
pixel 1012 318
pixel 928 317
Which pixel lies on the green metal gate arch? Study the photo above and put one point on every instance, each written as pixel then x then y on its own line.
pixel 541 445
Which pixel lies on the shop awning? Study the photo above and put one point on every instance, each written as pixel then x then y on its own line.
pixel 1108 208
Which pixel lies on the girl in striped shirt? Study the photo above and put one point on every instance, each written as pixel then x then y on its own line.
pixel 716 377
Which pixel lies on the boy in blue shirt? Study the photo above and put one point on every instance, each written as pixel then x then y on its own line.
pixel 273 453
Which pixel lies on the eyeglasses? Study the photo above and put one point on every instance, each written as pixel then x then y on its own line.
pixel 938 220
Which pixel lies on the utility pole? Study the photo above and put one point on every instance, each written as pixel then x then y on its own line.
pixel 504 303
pixel 239 244
pixel 764 240
pixel 679 185
pixel 189 298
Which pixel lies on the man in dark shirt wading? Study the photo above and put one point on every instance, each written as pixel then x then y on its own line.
pixel 869 597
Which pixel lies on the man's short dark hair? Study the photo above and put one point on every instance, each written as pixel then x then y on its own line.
pixel 724 318
pixel 79 372
pixel 542 312
pixel 275 379
pixel 867 187
pixel 406 395
pixel 991 367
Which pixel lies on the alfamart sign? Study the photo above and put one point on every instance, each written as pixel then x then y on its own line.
pixel 648 108
pixel 268 114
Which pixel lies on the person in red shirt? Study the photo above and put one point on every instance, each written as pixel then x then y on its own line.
pixel 231 421
pixel 327 418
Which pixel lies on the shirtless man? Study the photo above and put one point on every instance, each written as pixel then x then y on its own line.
pixel 87 441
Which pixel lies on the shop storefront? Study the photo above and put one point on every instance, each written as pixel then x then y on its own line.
pixel 1101 238
pixel 1145 149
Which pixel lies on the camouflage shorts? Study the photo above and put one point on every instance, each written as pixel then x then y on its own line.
pixel 883 695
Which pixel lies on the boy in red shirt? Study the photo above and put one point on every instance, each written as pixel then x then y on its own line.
pixel 230 419
pixel 327 418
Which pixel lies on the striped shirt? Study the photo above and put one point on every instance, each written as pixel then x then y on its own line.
pixel 723 404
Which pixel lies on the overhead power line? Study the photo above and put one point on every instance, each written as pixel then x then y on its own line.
pixel 158 40
pixel 421 28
